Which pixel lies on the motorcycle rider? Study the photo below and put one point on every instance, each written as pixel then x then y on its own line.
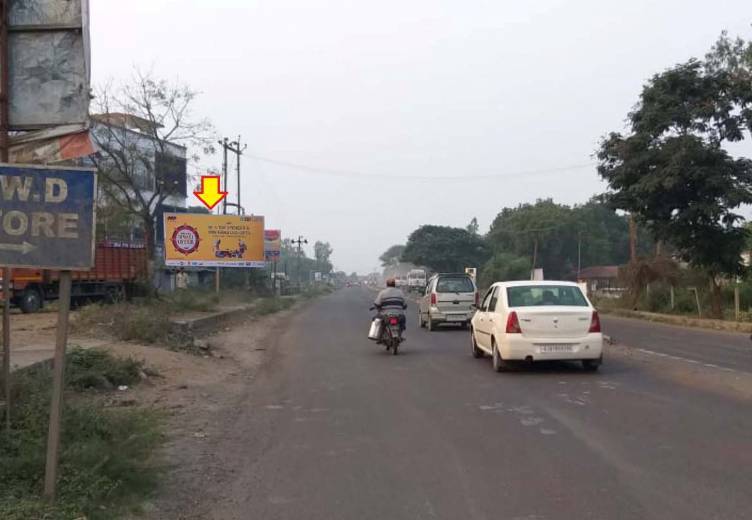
pixel 391 299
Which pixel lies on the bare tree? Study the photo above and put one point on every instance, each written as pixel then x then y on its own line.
pixel 146 133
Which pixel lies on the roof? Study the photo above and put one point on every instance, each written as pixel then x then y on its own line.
pixel 126 121
pixel 528 283
pixel 600 271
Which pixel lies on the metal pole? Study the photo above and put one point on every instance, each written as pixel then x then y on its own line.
pixel 239 152
pixel 6 342
pixel 224 172
pixel 736 301
pixel 4 157
pixel 579 254
pixel 58 382
pixel 535 257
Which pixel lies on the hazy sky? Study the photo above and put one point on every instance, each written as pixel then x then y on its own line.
pixel 409 88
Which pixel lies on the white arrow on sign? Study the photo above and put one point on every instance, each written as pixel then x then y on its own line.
pixel 24 248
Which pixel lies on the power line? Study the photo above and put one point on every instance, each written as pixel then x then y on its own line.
pixel 371 176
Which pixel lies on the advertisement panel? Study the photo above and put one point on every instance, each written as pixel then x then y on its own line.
pixel 272 244
pixel 200 240
pixel 47 217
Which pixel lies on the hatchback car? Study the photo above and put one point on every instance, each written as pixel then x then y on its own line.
pixel 537 321
pixel 449 298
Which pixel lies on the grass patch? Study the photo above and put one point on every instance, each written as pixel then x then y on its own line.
pixel 267 306
pixel 107 461
pixel 315 292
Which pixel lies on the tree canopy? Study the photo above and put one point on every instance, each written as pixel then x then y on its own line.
pixel 392 256
pixel 671 170
pixel 445 249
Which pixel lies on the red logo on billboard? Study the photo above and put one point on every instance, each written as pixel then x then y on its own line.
pixel 185 239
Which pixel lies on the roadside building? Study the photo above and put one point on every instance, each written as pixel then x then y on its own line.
pixel 602 280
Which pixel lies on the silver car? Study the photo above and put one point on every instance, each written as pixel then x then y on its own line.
pixel 449 298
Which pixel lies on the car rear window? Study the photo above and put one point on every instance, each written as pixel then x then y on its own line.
pixel 455 284
pixel 542 295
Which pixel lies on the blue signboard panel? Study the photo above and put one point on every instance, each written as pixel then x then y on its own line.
pixel 47 217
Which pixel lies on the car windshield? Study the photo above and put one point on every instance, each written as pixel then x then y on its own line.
pixel 455 284
pixel 542 295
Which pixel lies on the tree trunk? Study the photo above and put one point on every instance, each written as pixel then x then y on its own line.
pixel 632 239
pixel 150 247
pixel 716 307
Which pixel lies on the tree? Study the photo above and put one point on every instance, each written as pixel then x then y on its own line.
pixel 323 252
pixel 445 249
pixel 136 131
pixel 473 226
pixel 392 256
pixel 505 267
pixel 671 170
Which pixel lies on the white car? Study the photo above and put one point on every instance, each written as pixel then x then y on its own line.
pixel 537 321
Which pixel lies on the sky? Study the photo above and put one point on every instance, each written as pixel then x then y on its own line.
pixel 365 120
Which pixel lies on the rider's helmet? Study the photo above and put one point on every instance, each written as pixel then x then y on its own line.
pixel 391 282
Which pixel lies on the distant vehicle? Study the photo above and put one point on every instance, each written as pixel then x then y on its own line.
pixel 449 298
pixel 416 280
pixel 118 266
pixel 537 321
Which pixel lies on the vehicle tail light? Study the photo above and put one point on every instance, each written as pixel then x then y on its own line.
pixel 595 323
pixel 433 298
pixel 477 299
pixel 513 324
pixel 393 320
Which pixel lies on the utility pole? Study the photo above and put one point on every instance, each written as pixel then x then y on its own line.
pixel 234 147
pixel 4 156
pixel 535 256
pixel 579 254
pixel 632 239
pixel 300 241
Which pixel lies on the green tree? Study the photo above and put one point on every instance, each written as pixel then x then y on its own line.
pixel 505 267
pixel 473 226
pixel 323 252
pixel 445 249
pixel 671 170
pixel 392 256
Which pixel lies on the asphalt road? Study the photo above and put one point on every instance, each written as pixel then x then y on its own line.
pixel 728 350
pixel 336 428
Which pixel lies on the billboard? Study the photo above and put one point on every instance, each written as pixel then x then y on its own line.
pixel 48 63
pixel 47 217
pixel 201 240
pixel 272 244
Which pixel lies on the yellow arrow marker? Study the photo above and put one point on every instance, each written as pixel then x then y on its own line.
pixel 210 194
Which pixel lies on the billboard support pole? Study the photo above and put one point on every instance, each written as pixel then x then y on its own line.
pixel 58 383
pixel 4 157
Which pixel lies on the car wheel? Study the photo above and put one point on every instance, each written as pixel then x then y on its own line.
pixel 477 353
pixel 431 324
pixel 421 323
pixel 464 325
pixel 31 301
pixel 499 365
pixel 591 365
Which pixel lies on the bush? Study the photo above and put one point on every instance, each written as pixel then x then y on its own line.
pixel 99 370
pixel 192 300
pixel 107 463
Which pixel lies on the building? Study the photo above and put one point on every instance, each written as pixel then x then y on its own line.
pixel 602 280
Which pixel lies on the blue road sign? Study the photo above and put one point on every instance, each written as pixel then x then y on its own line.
pixel 47 217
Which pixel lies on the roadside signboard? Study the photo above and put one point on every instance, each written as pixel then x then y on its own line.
pixel 272 244
pixel 200 240
pixel 47 217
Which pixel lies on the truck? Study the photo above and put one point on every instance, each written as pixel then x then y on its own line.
pixel 416 280
pixel 118 267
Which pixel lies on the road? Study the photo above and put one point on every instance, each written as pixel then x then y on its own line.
pixel 728 350
pixel 335 428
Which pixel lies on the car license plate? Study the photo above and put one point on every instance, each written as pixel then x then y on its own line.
pixel 456 317
pixel 555 347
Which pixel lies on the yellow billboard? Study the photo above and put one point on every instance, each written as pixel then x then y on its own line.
pixel 198 240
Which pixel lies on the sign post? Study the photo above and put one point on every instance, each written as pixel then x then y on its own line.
pixel 47 222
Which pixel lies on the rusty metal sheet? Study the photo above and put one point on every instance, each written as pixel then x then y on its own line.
pixel 45 12
pixel 49 63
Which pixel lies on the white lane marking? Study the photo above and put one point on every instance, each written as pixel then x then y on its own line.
pixel 686 360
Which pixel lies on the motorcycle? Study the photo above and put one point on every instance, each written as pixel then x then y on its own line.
pixel 387 330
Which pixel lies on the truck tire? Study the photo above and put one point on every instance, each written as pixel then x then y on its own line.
pixel 30 301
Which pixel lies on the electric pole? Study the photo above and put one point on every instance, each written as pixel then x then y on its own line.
pixel 300 241
pixel 234 147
